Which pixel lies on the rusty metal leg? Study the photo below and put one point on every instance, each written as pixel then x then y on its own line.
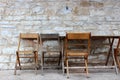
pixel 60 56
pixel 107 58
pixel 110 50
pixel 62 49
pixel 116 69
pixel 115 55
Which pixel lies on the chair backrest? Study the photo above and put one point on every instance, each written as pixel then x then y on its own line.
pixel 29 36
pixel 50 37
pixel 54 36
pixel 78 41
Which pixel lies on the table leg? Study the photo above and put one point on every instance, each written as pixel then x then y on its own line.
pixel 110 50
pixel 62 44
pixel 116 69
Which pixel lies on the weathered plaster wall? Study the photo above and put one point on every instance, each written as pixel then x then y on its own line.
pixel 96 16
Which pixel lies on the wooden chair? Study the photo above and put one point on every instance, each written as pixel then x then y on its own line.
pixel 27 48
pixel 52 46
pixel 117 53
pixel 77 45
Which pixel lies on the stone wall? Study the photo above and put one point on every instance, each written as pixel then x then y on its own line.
pixel 16 16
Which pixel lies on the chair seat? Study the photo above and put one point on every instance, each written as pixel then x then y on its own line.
pixel 26 52
pixel 76 53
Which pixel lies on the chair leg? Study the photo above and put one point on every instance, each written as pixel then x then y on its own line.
pixel 19 64
pixel 115 64
pixel 60 59
pixel 35 56
pixel 15 67
pixel 86 61
pixel 67 68
pixel 43 58
pixel 63 65
pixel 42 62
pixel 36 59
pixel 115 57
pixel 18 61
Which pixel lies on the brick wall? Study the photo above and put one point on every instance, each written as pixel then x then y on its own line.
pixel 96 16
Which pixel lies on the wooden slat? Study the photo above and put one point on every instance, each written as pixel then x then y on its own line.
pixel 49 36
pixel 25 52
pixel 76 53
pixel 29 35
pixel 92 67
pixel 78 35
pixel 77 44
pixel 26 57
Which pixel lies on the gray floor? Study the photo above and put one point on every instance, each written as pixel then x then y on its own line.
pixel 57 75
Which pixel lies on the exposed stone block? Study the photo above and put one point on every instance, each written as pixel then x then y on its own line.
pixel 18 18
pixel 3 42
pixel 4 58
pixel 9 18
pixel 63 29
pixel 13 58
pixel 102 57
pixel 4 22
pixel 38 10
pixel 97 12
pixel 81 11
pixel 7 26
pixel 9 50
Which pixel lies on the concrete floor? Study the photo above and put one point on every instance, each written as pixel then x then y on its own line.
pixel 57 75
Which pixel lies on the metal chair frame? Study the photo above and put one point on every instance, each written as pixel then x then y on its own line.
pixel 50 38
